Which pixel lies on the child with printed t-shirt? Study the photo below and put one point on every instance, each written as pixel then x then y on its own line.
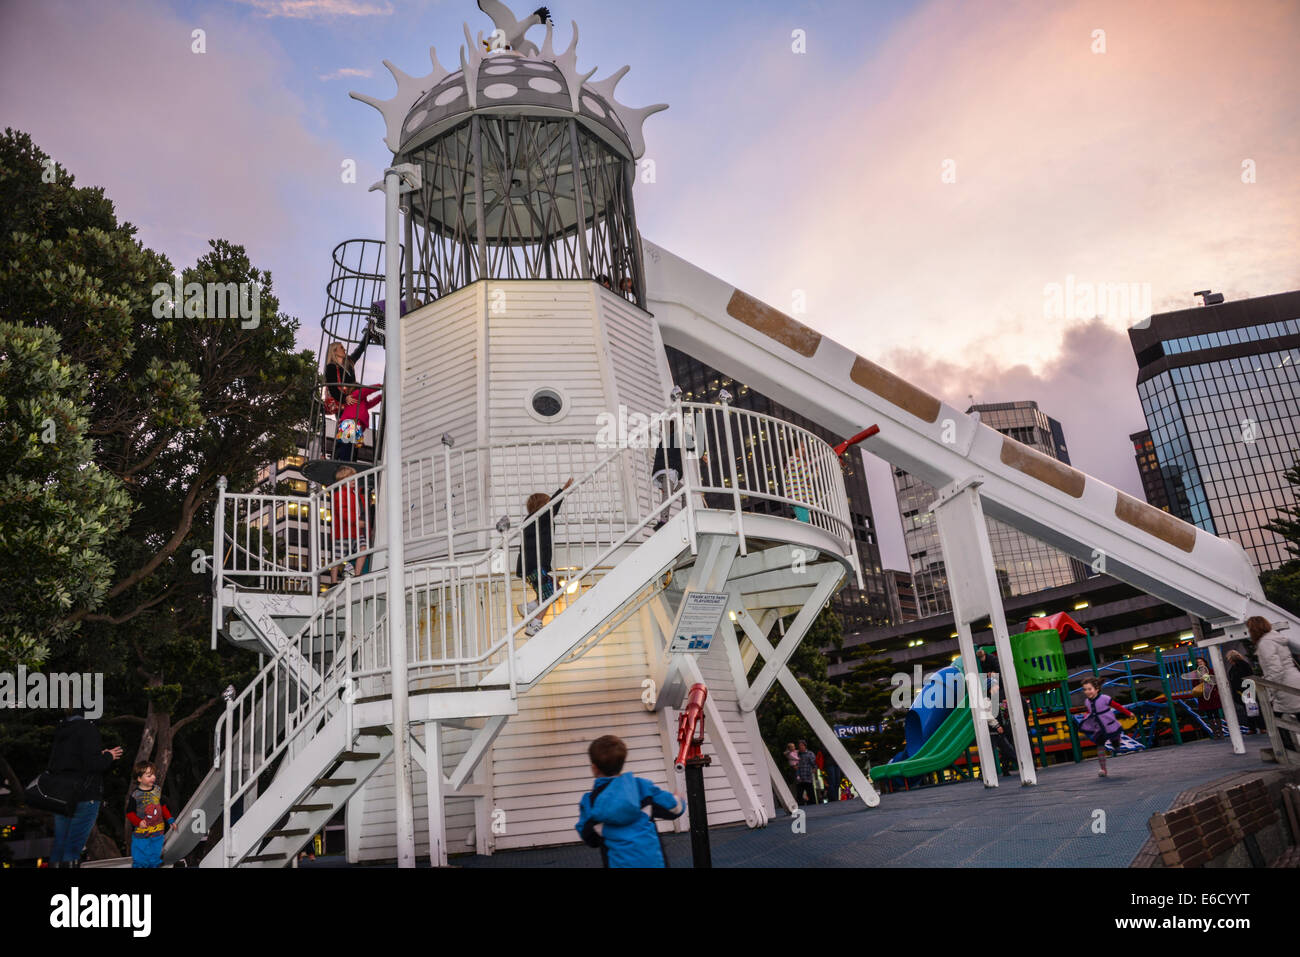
pixel 149 819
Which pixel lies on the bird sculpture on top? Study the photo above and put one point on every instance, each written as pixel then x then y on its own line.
pixel 509 31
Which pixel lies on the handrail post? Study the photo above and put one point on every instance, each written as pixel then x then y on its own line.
pixel 218 562
pixel 313 544
pixel 229 695
pixel 688 500
pixel 724 399
pixel 447 442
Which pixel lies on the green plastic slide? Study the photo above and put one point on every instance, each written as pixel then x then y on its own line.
pixel 946 745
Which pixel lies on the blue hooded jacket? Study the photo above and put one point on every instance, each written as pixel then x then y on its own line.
pixel 610 817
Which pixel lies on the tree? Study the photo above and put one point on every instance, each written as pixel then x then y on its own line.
pixel 779 721
pixel 1282 584
pixel 867 701
pixel 57 507
pixel 176 399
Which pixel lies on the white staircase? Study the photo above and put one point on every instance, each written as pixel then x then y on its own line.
pixel 316 722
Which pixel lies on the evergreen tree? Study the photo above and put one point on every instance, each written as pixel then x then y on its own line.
pixel 1282 584
pixel 175 399
pixel 57 507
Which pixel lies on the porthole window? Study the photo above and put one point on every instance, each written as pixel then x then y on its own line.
pixel 547 404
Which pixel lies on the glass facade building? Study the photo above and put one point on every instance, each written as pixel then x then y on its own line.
pixel 859 610
pixel 1023 564
pixel 1221 394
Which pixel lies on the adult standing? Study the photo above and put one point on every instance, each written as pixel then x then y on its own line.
pixel 78 756
pixel 805 774
pixel 1239 670
pixel 1277 664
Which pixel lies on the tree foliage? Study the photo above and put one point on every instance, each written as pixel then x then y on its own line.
pixel 171 404
pixel 1282 584
pixel 58 508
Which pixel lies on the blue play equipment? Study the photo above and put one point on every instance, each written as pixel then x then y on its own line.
pixel 940 693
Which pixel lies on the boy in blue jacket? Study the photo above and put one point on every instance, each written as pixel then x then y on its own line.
pixel 610 815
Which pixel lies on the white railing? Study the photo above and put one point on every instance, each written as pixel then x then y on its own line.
pixel 462 613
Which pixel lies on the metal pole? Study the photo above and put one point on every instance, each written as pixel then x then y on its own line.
pixel 1169 698
pixel 579 205
pixel 405 801
pixel 1092 654
pixel 218 560
pixel 480 222
pixel 1069 723
pixel 698 809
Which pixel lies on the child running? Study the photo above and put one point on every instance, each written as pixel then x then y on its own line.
pixel 150 818
pixel 1099 722
pixel 610 815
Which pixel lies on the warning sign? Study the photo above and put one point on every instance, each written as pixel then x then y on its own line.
pixel 698 620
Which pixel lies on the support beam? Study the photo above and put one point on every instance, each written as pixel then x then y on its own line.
pixel 825 734
pixel 779 786
pixel 434 781
pixel 828 579
pixel 751 805
pixel 478 746
pixel 972 582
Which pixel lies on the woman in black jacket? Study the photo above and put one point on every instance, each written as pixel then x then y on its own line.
pixel 79 759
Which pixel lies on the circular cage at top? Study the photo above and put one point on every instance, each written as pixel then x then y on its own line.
pixel 525 196
pixel 354 295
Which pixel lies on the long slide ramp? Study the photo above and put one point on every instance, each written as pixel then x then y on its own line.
pixel 1207 576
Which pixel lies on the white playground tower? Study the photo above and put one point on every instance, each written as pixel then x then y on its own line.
pixel 511 184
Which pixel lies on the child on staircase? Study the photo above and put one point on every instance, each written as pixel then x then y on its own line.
pixel 535 554
pixel 1099 721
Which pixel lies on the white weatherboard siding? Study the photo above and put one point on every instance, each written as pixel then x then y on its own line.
pixel 472 363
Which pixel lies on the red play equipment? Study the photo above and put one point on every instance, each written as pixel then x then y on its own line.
pixel 1061 622
pixel 690 726
pixel 864 434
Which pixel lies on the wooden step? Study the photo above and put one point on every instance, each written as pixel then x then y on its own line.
pixel 311 808
pixel 464 689
pixel 258 858
pixel 333 782
pixel 288 832
pixel 376 731
pixel 358 755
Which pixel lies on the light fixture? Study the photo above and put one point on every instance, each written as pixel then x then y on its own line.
pixel 573 587
pixel 731 615
pixel 1080 605
pixel 1141 646
pixel 1186 635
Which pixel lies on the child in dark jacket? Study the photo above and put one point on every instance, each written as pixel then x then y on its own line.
pixel 1099 721
pixel 610 816
pixel 149 819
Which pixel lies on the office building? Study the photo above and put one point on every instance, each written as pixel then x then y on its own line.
pixel 1221 394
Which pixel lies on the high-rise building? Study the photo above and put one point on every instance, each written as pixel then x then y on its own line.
pixel 1153 483
pixel 1023 564
pixel 902 595
pixel 858 609
pixel 1221 394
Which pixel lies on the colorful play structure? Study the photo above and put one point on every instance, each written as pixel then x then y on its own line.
pixel 1169 695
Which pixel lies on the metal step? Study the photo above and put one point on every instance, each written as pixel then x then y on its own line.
pixel 288 832
pixel 358 755
pixel 257 858
pixel 333 782
pixel 309 808
pixel 375 731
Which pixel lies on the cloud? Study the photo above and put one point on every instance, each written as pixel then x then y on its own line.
pixel 346 71
pixel 1089 388
pixel 314 9
pixel 188 146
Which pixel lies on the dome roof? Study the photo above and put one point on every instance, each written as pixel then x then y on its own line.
pixel 528 80
pixel 508 82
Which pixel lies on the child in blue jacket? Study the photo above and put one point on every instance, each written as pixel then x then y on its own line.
pixel 610 816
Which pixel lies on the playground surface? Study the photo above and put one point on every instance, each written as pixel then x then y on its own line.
pixel 964 824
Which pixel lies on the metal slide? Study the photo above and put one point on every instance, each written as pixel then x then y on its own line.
pixel 1209 577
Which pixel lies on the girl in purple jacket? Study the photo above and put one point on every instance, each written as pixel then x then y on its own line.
pixel 1099 721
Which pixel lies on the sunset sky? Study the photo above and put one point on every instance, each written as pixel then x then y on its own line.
pixel 817 175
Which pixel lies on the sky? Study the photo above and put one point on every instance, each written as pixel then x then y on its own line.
pixel 909 178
